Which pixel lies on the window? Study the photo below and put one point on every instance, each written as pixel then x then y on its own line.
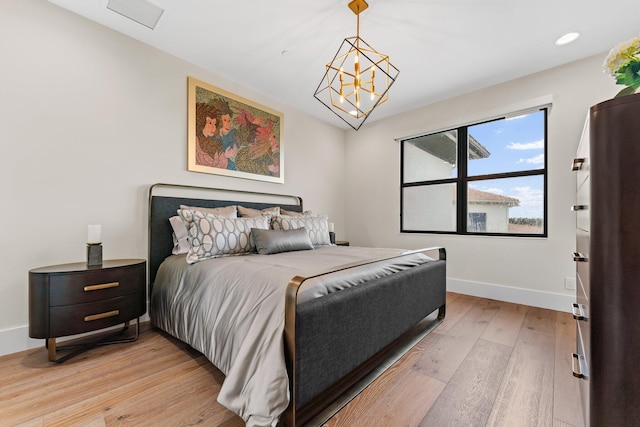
pixel 486 178
pixel 477 221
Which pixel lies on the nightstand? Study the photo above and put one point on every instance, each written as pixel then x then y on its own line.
pixel 342 243
pixel 70 299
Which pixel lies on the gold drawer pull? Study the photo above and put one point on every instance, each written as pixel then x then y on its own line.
pixel 101 315
pixel 101 286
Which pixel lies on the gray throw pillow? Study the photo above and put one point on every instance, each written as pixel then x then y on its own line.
pixel 276 241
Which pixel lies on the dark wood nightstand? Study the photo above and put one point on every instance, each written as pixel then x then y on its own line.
pixel 70 299
pixel 342 243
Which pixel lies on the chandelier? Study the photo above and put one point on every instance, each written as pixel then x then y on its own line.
pixel 357 79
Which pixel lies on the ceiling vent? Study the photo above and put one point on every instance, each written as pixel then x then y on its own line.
pixel 141 11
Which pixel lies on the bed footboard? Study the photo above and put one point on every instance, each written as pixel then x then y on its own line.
pixel 337 336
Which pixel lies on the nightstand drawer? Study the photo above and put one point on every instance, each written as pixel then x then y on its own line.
pixel 82 287
pixel 79 318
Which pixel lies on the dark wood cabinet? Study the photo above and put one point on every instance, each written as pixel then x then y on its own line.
pixel 70 299
pixel 608 263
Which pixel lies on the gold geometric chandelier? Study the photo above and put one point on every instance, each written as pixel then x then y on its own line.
pixel 358 78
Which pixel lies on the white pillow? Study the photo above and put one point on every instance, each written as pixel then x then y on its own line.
pixel 317 226
pixel 180 236
pixel 212 236
pixel 228 211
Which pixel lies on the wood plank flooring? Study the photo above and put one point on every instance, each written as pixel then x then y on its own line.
pixel 489 363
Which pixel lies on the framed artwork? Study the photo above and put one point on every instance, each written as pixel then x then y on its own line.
pixel 232 136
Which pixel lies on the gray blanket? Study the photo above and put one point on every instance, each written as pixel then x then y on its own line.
pixel 231 309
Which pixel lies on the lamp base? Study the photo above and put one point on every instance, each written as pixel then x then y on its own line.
pixel 332 237
pixel 94 254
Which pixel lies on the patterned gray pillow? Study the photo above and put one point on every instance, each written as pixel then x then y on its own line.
pixel 317 226
pixel 212 236
pixel 181 227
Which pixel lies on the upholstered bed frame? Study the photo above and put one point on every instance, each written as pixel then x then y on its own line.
pixel 337 344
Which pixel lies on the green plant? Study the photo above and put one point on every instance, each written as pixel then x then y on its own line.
pixel 623 63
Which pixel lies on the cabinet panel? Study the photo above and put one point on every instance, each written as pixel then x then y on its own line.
pixel 76 288
pixel 581 333
pixel 610 281
pixel 582 268
pixel 79 318
pixel 582 166
pixel 583 216
pixel 584 337
pixel 582 162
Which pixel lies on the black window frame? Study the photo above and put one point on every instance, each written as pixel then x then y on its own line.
pixel 462 180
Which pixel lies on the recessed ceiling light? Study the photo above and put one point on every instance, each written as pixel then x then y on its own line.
pixel 567 38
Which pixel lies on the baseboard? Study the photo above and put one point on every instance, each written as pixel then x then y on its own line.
pixel 549 300
pixel 17 339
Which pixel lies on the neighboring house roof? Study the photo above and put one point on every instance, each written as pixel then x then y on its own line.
pixel 486 198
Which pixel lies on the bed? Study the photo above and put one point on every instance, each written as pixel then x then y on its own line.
pixel 312 327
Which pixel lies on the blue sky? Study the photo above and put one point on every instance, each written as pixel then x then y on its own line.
pixel 515 144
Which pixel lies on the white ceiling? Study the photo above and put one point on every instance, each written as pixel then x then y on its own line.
pixel 443 48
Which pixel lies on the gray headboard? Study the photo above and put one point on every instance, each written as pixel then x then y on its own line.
pixel 163 207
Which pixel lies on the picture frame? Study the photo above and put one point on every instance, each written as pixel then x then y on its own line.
pixel 233 136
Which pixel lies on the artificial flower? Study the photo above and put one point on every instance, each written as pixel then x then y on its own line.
pixel 623 63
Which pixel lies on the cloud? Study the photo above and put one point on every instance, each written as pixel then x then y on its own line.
pixel 536 145
pixel 494 190
pixel 537 160
pixel 529 196
pixel 531 202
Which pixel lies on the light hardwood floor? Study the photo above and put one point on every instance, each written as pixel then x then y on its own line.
pixel 489 363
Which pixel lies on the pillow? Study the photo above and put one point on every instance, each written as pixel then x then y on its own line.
pixel 181 227
pixel 212 236
pixel 228 211
pixel 292 213
pixel 317 226
pixel 249 212
pixel 276 241
pixel 180 236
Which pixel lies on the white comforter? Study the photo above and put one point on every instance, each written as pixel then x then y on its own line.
pixel 232 310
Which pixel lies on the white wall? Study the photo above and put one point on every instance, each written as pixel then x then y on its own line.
pixel 525 270
pixel 88 120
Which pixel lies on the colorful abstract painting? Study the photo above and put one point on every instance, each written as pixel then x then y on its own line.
pixel 232 136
